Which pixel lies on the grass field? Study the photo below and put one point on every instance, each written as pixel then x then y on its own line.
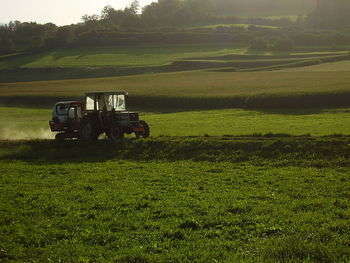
pixel 286 200
pixel 124 61
pixel 117 56
pixel 195 90
pixel 232 25
pixel 21 123
pixel 241 166
pixel 325 67
pixel 191 84
pixel 137 56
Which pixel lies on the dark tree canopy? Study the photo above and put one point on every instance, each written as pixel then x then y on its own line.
pixel 333 13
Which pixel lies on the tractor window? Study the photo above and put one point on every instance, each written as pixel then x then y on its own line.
pixel 120 103
pixel 90 103
pixel 79 113
pixel 72 113
pixel 62 109
pixel 109 102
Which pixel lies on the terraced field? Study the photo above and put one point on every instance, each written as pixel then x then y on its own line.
pixel 121 61
pixel 116 56
pixel 342 66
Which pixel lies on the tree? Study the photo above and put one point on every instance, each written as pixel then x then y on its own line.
pixel 90 20
pixel 163 13
pixel 127 18
pixel 6 45
pixel 329 14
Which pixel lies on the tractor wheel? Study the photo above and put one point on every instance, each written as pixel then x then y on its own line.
pixel 115 134
pixel 87 132
pixel 146 132
pixel 60 137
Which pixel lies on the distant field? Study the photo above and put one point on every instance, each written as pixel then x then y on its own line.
pixel 195 90
pixel 326 67
pixel 19 123
pixel 104 62
pixel 291 17
pixel 148 56
pixel 116 56
pixel 191 84
pixel 232 25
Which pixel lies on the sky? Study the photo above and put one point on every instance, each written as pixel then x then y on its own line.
pixel 59 12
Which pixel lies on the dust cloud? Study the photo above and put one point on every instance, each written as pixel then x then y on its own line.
pixel 16 133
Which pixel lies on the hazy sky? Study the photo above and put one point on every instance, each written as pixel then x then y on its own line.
pixel 60 12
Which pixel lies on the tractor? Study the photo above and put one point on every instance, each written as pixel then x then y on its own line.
pixel 100 113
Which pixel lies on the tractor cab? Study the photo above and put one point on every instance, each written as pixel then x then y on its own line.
pixel 106 101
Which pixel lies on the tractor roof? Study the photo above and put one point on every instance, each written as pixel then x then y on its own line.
pixel 68 102
pixel 107 93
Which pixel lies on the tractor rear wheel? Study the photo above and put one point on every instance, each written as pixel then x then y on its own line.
pixel 115 134
pixel 88 132
pixel 146 130
pixel 60 137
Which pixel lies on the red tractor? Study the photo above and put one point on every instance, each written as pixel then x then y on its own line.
pixel 100 113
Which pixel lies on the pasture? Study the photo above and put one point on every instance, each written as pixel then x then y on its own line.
pixel 205 83
pixel 195 90
pixel 325 67
pixel 179 200
pixel 80 63
pixel 150 55
pixel 23 123
pixel 248 159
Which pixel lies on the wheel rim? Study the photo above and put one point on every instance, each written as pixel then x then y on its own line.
pixel 86 132
pixel 115 134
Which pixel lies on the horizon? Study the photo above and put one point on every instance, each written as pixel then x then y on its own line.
pixel 54 11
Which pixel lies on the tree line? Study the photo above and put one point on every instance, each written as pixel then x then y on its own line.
pixel 172 21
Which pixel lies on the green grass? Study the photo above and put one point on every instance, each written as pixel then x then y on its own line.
pixel 214 184
pixel 136 56
pixel 116 56
pixel 232 25
pixel 245 122
pixel 191 84
pixel 325 67
pixel 85 203
pixel 293 18
pixel 206 89
pixel 21 123
pixel 99 62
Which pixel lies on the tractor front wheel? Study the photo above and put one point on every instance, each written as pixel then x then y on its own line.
pixel 146 130
pixel 60 137
pixel 115 134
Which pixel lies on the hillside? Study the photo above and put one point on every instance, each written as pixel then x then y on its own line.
pixel 93 62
